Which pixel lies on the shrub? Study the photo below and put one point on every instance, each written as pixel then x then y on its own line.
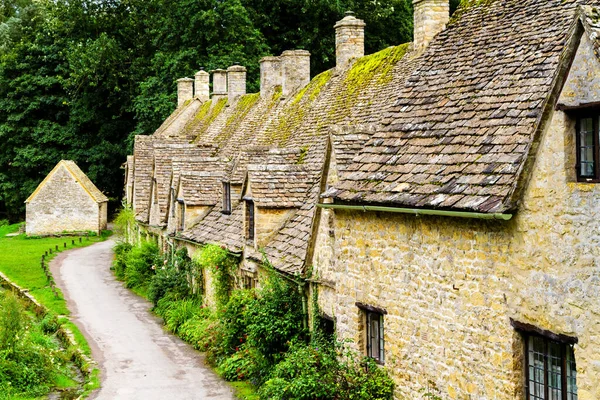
pixel 222 265
pixel 141 262
pixel 276 318
pixel 246 363
pixel 50 323
pixel 11 322
pixel 180 311
pixel 122 250
pixel 176 277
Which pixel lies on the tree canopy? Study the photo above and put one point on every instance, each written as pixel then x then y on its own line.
pixel 79 78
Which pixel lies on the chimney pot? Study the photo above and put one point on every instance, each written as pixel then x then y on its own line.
pixel 295 70
pixel 201 85
pixel 185 90
pixel 236 81
pixel 270 75
pixel 349 40
pixel 430 18
pixel 219 83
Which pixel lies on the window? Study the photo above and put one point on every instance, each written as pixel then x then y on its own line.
pixel 250 219
pixel 549 364
pixel 374 331
pixel 587 149
pixel 226 198
pixel 249 281
pixel 181 215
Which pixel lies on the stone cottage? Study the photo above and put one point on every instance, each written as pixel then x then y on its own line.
pixel 66 201
pixel 438 198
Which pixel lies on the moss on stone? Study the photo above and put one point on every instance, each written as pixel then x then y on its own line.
pixel 239 113
pixel 293 114
pixel 374 69
pixel 206 116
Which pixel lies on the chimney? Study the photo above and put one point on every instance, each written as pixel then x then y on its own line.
pixel 270 75
pixel 349 40
pixel 295 66
pixel 430 18
pixel 219 84
pixel 236 81
pixel 201 86
pixel 185 90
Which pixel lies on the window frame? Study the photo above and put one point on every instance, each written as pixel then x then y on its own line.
pixel 371 312
pixel 181 215
pixel 566 344
pixel 226 198
pixel 595 117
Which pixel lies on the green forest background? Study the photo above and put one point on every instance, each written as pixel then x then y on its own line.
pixel 80 78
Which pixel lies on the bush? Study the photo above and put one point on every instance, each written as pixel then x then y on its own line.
pixel 50 323
pixel 175 277
pixel 320 370
pixel 122 250
pixel 276 318
pixel 180 311
pixel 140 264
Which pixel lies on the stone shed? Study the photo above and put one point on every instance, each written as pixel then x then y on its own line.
pixel 66 201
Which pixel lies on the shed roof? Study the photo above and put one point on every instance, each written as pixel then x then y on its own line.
pixel 79 176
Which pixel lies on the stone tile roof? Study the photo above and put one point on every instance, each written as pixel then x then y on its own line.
pixel 143 153
pixel 218 228
pixel 464 120
pixel 79 176
pixel 199 190
pixel 447 128
pixel 590 18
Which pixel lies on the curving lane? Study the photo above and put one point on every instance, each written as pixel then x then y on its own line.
pixel 137 358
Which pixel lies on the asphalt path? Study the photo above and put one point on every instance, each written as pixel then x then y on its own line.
pixel 136 357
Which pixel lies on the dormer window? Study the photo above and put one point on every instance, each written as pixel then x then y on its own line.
pixel 588 156
pixel 226 198
pixel 249 220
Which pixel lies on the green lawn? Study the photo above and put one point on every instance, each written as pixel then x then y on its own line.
pixel 20 261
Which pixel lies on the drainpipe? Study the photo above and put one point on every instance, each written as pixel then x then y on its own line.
pixel 420 211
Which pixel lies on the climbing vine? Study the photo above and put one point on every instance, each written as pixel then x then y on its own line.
pixel 222 265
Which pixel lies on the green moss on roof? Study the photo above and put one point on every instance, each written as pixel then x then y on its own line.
pixel 292 115
pixel 239 113
pixel 206 116
pixel 375 68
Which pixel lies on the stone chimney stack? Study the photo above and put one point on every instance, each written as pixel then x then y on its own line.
pixel 295 70
pixel 270 75
pixel 185 90
pixel 349 40
pixel 430 18
pixel 201 85
pixel 236 81
pixel 219 84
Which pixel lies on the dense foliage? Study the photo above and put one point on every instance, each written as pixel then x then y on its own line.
pixel 256 335
pixel 31 361
pixel 78 78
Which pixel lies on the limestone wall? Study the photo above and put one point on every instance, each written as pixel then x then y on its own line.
pixel 450 286
pixel 430 18
pixel 583 85
pixel 62 205
pixel 267 222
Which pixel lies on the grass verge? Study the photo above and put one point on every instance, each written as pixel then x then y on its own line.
pixel 20 261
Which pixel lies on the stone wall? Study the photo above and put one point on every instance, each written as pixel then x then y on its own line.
pixel 295 70
pixel 270 75
pixel 267 222
pixel 430 18
pixel 185 91
pixel 236 81
pixel 450 286
pixel 583 84
pixel 62 205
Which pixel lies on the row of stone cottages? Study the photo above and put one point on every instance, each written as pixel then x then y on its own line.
pixel 441 197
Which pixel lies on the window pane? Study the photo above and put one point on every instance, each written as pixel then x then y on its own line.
pixel 374 336
pixel 586 147
pixel 571 375
pixel 381 347
pixel 554 371
pixel 536 368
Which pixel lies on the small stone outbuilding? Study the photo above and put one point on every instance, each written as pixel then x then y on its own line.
pixel 66 201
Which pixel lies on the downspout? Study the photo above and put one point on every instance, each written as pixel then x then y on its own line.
pixel 419 211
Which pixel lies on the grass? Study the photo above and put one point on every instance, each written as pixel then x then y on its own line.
pixel 244 390
pixel 20 261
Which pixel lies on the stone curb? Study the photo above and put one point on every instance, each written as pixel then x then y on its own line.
pixel 83 362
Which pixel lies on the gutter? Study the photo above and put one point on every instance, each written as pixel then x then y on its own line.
pixel 420 211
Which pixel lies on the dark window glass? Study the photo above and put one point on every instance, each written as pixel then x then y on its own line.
pixel 250 219
pixel 181 216
pixel 226 198
pixel 587 149
pixel 375 348
pixel 551 371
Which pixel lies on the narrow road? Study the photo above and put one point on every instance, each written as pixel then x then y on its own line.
pixel 137 358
